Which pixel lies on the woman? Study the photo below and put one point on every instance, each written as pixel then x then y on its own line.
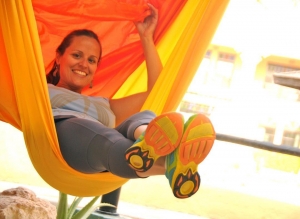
pixel 142 144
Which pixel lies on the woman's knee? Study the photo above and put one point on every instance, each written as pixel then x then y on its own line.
pixel 128 127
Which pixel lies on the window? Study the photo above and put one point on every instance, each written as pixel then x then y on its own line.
pixel 203 70
pixel 210 84
pixel 291 138
pixel 222 74
pixel 269 134
pixel 288 137
pixel 191 107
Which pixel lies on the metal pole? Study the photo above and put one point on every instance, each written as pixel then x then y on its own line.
pixel 260 144
pixel 113 199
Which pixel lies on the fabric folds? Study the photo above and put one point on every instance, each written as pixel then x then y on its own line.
pixel 29 34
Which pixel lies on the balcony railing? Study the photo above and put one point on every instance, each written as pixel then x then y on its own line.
pixel 113 197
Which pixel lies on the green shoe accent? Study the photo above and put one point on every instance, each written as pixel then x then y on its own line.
pixel 171 162
pixel 171 130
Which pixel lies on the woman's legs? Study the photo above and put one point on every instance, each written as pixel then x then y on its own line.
pixel 91 147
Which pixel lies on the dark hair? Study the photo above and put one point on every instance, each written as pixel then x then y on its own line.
pixel 53 75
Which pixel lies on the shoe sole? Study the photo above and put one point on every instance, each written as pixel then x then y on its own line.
pixel 162 137
pixel 196 143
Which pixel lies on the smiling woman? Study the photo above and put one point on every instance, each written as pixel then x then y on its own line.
pixel 23 51
pixel 142 144
pixel 78 64
pixel 77 58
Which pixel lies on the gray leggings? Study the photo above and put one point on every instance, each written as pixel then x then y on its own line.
pixel 91 147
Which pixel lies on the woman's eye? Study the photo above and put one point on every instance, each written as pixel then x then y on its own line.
pixel 92 61
pixel 75 55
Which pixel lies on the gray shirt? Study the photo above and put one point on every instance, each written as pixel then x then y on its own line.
pixel 66 103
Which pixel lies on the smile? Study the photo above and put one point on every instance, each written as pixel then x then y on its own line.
pixel 80 72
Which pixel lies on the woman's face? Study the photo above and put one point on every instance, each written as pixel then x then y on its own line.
pixel 78 64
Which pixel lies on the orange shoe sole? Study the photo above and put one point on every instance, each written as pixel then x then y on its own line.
pixel 196 143
pixel 161 137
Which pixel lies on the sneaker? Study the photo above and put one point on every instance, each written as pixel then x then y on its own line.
pixel 182 164
pixel 161 137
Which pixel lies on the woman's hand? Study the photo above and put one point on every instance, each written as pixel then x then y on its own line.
pixel 147 27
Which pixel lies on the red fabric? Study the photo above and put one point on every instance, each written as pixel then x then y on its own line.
pixel 112 20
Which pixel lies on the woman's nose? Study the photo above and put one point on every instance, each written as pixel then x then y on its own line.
pixel 84 63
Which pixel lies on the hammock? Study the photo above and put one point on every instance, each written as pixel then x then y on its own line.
pixel 29 34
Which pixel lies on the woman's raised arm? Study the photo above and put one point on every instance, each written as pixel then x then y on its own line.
pixel 124 107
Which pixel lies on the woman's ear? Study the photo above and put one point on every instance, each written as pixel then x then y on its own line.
pixel 57 58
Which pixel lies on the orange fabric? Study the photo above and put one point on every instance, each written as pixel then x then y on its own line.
pixel 113 22
pixel 29 34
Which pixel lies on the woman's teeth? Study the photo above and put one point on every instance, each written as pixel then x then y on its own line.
pixel 80 72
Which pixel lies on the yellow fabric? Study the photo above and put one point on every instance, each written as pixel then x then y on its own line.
pixel 24 97
pixel 181 50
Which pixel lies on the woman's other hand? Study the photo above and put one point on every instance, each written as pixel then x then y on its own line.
pixel 147 27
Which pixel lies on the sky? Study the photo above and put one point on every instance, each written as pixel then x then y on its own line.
pixel 266 27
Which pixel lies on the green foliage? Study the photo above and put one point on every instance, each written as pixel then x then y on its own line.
pixel 65 212
pixel 278 161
